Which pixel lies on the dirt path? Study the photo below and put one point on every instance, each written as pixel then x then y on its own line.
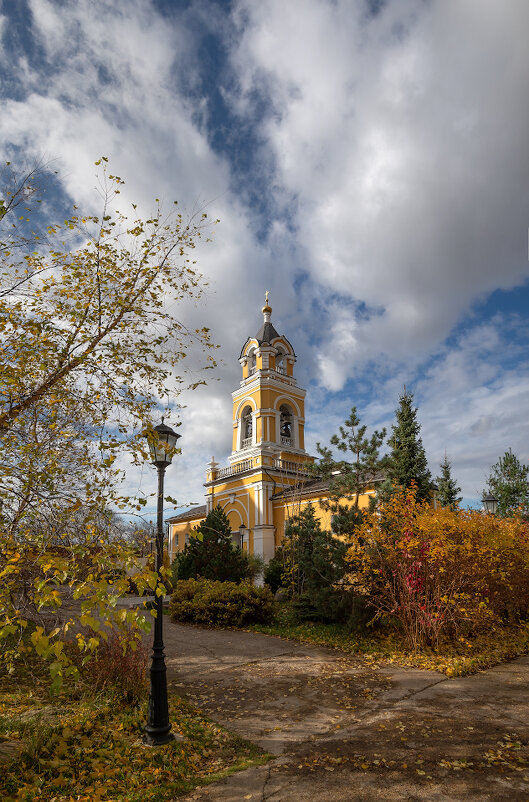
pixel 345 730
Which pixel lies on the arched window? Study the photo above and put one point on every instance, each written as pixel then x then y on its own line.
pixel 281 365
pixel 285 425
pixel 252 362
pixel 246 427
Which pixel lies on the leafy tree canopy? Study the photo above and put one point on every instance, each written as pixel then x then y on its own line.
pixel 90 341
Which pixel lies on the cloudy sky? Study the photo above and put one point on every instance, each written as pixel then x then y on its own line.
pixel 369 163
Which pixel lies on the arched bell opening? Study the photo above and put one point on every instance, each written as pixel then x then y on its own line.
pixel 281 361
pixel 246 427
pixel 286 426
pixel 252 361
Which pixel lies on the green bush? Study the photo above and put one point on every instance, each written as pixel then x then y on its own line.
pixel 221 604
pixel 273 573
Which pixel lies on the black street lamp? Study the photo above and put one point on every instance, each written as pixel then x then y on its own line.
pixel 242 532
pixel 158 729
pixel 490 503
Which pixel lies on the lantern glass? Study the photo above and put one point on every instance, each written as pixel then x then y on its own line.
pixel 242 532
pixel 490 503
pixel 162 445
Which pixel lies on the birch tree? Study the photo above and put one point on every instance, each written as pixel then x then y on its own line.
pixel 91 340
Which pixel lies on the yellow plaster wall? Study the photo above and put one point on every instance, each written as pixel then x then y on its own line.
pixel 301 435
pixel 283 510
pixel 178 532
pixel 234 518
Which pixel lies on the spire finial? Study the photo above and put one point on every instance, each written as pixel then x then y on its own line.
pixel 267 309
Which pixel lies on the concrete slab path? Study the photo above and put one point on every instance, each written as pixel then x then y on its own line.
pixel 342 729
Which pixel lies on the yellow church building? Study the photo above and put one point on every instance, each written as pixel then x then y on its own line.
pixel 266 480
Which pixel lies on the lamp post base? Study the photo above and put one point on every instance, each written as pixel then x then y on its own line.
pixel 158 739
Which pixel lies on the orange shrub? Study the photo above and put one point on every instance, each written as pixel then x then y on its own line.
pixel 441 572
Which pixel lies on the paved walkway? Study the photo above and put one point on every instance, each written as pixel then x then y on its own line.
pixel 345 730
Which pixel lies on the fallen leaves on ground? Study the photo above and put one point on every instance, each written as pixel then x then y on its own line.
pixel 455 659
pixel 92 750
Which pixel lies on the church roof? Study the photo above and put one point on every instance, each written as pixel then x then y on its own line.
pixel 266 333
pixel 188 515
pixel 318 486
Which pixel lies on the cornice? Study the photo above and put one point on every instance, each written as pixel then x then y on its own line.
pixel 259 380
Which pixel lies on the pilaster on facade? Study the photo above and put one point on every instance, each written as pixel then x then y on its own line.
pixel 264 542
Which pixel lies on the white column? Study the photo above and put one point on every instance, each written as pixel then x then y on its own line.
pixel 264 542
pixel 277 434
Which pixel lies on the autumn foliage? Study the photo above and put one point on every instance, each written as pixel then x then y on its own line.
pixel 441 573
pixel 91 338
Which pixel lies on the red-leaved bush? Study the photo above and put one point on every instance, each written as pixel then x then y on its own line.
pixel 120 667
pixel 441 572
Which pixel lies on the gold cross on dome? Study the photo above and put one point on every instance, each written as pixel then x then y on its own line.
pixel 266 297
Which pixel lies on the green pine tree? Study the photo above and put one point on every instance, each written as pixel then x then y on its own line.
pixel 447 488
pixel 348 477
pixel 407 462
pixel 509 483
pixel 211 553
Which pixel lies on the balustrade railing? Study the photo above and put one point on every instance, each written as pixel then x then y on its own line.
pixel 247 465
pixel 232 470
pixel 291 467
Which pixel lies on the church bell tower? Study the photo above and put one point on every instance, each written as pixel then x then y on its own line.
pixel 268 407
pixel 268 447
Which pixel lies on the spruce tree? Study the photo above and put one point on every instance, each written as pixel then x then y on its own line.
pixel 211 553
pixel 314 566
pixel 447 489
pixel 509 483
pixel 408 461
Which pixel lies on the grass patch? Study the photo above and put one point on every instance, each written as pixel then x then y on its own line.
pixel 455 659
pixel 87 746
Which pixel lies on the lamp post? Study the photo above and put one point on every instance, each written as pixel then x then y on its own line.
pixel 158 728
pixel 490 503
pixel 242 532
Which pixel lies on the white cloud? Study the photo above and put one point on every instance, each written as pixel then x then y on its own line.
pixel 395 149
pixel 400 137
